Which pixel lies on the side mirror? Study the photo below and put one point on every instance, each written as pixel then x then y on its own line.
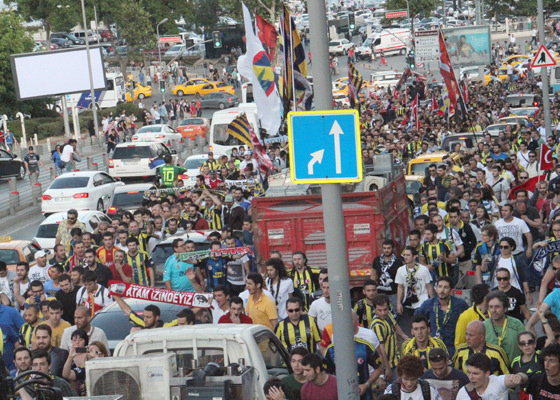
pixel 173 151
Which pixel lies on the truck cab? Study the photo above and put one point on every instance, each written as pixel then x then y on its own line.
pixel 224 345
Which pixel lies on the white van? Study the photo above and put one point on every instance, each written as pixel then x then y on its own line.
pixel 391 41
pixel 222 143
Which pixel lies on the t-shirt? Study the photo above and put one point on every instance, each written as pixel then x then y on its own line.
pixel 496 390
pixel 321 311
pixel 58 332
pixel 293 388
pixel 66 152
pixel 175 271
pixel 417 284
pixel 7 284
pixel 262 311
pixel 327 391
pixel 387 270
pixel 417 394
pixel 515 230
pixel 509 343
pixel 281 293
pixel 50 290
pixel 516 273
pixel 236 274
pixel 450 385
pixel 37 273
pixel 169 174
pixel 516 300
pixel 553 300
pixel 541 389
pixel 68 301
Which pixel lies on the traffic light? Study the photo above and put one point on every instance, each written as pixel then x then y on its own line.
pixel 217 39
pixel 351 21
pixel 162 86
pixel 411 61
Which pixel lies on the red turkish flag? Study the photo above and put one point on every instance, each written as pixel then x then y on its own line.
pixel 546 162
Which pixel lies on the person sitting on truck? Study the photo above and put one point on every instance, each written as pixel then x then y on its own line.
pixel 259 306
pixel 294 382
pixel 305 278
pixel 151 318
pixel 236 314
pixel 298 329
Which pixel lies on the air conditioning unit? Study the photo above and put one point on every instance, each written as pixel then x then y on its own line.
pixel 135 378
pixel 372 183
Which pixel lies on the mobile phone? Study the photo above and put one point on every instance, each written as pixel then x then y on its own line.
pixel 81 350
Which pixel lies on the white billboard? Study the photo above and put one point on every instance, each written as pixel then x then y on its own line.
pixel 52 73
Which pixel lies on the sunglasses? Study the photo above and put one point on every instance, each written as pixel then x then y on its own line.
pixel 436 358
pixel 294 310
pixel 527 343
pixel 502 278
pixel 504 247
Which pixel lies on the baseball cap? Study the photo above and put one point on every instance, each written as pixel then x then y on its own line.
pixel 210 153
pixel 40 254
pixel 228 198
pixel 247 153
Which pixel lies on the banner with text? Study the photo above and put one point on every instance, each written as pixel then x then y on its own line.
pixel 187 299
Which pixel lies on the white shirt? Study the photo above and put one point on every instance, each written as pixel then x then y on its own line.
pixel 500 186
pixel 66 152
pixel 417 394
pixel 523 158
pixel 515 230
pixel 37 273
pixel 217 312
pixel 95 334
pixel 509 264
pixel 369 335
pixel 496 390
pixel 420 281
pixel 321 311
pixel 281 293
pixel 7 284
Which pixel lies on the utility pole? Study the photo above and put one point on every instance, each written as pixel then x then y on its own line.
pixel 91 86
pixel 544 74
pixel 341 307
pixel 478 23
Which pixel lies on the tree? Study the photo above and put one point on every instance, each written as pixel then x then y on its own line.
pixel 268 9
pixel 13 40
pixel 54 14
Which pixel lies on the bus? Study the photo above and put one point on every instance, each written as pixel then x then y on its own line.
pixel 107 98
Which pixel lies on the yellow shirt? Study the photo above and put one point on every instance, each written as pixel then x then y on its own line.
pixel 466 317
pixel 57 332
pixel 262 311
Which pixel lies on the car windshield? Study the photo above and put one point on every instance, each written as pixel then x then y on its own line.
pixel 413 187
pixel 194 163
pixel 9 256
pixel 221 137
pixel 192 121
pixel 47 231
pixel 221 84
pixel 149 128
pixel 420 168
pixel 131 151
pixel 128 199
pixel 70 182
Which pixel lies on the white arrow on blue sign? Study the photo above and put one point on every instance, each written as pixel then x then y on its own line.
pixel 325 146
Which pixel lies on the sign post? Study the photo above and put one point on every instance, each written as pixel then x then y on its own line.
pixel 396 14
pixel 426 45
pixel 170 39
pixel 544 72
pixel 337 261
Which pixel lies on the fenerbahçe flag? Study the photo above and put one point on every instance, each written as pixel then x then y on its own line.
pixel 187 299
pixel 255 66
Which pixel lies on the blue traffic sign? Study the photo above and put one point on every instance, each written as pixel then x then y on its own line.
pixel 325 146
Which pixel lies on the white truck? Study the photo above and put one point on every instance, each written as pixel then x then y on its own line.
pixel 220 141
pixel 391 41
pixel 202 362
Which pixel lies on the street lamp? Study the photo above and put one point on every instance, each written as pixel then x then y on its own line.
pixel 91 86
pixel 163 21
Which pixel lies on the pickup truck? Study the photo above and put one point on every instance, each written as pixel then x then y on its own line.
pixel 195 347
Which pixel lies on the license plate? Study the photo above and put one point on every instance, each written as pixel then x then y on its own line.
pixel 130 163
pixel 61 199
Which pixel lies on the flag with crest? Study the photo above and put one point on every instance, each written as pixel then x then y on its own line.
pixel 355 83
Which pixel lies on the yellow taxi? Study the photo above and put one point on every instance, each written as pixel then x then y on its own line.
pixel 215 87
pixel 339 88
pixel 190 87
pixel 502 75
pixel 14 251
pixel 139 92
pixel 417 166
pixel 514 60
pixel 413 185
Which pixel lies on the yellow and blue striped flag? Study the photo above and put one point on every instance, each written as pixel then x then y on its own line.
pixel 239 128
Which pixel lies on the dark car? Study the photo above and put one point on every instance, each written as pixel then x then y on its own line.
pixel 524 100
pixel 219 100
pixel 63 35
pixel 11 165
pixel 61 42
pixel 127 198
pixel 116 324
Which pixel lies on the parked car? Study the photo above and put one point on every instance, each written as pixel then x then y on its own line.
pixel 339 46
pixel 128 198
pixel 82 190
pixel 219 100
pixel 46 232
pixel 157 133
pixel 75 41
pixel 11 165
pixel 191 127
pixel 133 160
pixel 61 42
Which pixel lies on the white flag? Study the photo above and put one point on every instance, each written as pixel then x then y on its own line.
pixel 255 66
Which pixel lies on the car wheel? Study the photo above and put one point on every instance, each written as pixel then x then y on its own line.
pixel 402 51
pixel 100 206
pixel 180 93
pixel 21 174
pixel 141 96
pixel 197 95
pixel 222 106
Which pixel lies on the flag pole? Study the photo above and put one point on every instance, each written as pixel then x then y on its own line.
pixel 292 62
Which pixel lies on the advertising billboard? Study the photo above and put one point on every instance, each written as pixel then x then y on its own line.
pixel 52 73
pixel 468 45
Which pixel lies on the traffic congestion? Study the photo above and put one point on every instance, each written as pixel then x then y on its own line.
pixel 178 247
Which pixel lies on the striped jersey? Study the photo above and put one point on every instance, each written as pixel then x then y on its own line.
pixel 304 334
pixel 140 263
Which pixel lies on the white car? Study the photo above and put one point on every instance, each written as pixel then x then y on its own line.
pixel 341 99
pixel 339 46
pixel 46 232
pixel 157 133
pixel 193 164
pixel 133 160
pixel 83 190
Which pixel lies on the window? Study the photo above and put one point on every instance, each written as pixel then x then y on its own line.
pixel 9 256
pixel 194 163
pixel 70 183
pixel 93 221
pixel 222 138
pixel 47 231
pixel 106 179
pixel 271 350
pixel 29 252
pixel 123 153
pixel 5 155
pixel 128 199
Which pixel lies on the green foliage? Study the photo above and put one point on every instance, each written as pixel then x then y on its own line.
pixel 13 40
pixel 422 7
pixel 268 9
pixel 55 14
pixel 204 13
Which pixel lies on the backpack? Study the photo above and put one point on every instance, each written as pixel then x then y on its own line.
pixel 424 385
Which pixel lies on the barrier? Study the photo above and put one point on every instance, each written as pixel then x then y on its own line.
pixel 36 192
pixel 53 173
